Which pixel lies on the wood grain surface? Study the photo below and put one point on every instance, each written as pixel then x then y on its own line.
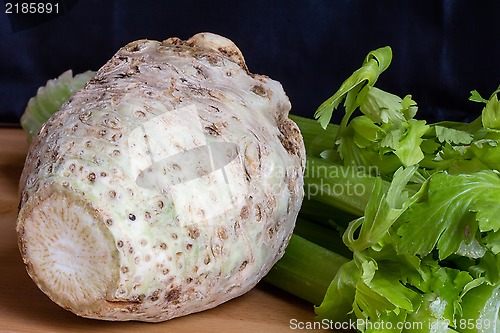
pixel 24 308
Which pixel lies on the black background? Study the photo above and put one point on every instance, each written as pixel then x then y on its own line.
pixel 442 49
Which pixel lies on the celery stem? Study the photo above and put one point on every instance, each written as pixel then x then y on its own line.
pixel 305 270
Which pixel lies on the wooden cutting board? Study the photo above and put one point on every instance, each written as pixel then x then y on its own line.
pixel 24 308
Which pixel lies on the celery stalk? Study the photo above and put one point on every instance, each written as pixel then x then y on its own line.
pixel 343 187
pixel 346 188
pixel 326 215
pixel 316 139
pixel 306 270
pixel 327 237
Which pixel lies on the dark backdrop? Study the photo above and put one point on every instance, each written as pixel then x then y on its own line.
pixel 442 49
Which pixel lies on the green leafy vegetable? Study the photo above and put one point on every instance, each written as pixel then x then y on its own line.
pixel 50 98
pixel 386 135
pixel 382 210
pixel 424 235
pixel 491 114
pixel 457 208
pixel 356 87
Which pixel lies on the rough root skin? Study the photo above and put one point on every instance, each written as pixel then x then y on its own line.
pixel 80 191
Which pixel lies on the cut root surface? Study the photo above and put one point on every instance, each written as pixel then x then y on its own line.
pixel 68 250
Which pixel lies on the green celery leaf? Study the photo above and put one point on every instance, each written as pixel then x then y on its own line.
pixel 430 146
pixel 493 242
pixel 455 207
pixel 487 151
pixel 385 282
pixel 374 64
pixel 405 140
pixel 50 98
pixel 383 286
pixel 367 158
pixel 366 131
pixel 481 307
pixel 338 301
pixel 491 114
pixel 463 159
pixel 476 97
pixel 449 284
pixel 409 107
pixel 371 290
pixel 384 107
pixel 452 136
pixel 383 209
pixel 488 268
pixel 442 289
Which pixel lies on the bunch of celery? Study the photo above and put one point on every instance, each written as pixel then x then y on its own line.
pixel 399 228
